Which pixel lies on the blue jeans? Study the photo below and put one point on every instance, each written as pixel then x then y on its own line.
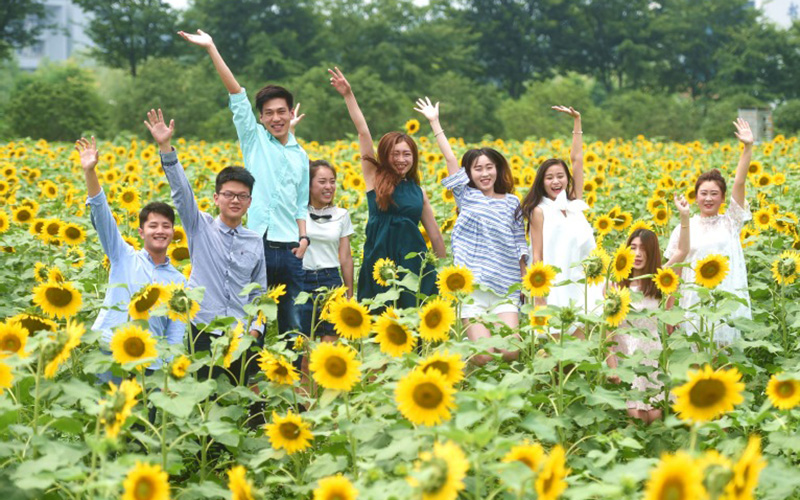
pixel 284 268
pixel 328 277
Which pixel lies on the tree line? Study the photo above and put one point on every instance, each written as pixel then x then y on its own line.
pixel 667 68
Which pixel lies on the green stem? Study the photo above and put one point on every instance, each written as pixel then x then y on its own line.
pixel 164 449
pixel 351 436
pixel 35 423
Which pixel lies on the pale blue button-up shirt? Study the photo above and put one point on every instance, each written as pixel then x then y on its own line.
pixel 280 195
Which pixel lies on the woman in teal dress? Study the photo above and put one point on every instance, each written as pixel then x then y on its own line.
pixel 396 203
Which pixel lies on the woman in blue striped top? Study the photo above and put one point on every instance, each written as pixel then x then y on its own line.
pixel 489 236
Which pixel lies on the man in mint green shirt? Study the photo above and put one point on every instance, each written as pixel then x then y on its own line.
pixel 280 166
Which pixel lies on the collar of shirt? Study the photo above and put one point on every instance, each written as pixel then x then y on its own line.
pixel 291 142
pixel 149 258
pixel 224 228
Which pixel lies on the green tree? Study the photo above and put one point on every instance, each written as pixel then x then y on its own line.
pixel 20 24
pixel 127 32
pixel 469 110
pixel 56 103
pixel 787 117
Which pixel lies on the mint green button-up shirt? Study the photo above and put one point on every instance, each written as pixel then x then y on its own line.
pixel 280 194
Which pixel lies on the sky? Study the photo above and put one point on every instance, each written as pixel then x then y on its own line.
pixel 776 10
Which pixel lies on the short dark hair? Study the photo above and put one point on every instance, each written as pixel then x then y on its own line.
pixel 713 176
pixel 504 183
pixel 273 92
pixel 158 207
pixel 238 174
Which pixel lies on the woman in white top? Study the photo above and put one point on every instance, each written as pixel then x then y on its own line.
pixel 715 233
pixel 560 234
pixel 328 261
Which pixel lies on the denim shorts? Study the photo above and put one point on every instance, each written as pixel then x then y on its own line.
pixel 329 278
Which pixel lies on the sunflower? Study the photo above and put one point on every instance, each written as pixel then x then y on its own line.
pixel 277 369
pixel 146 299
pixel 335 487
pixel 23 215
pixel 146 482
pixel 72 234
pixel 383 271
pixel 132 344
pixel 178 235
pixel 54 275
pixel 129 199
pixel 412 126
pixel 13 337
pixel 616 305
pixel 449 365
pixel 746 471
pixel 350 319
pixel 276 292
pixel 786 268
pixel 334 366
pixel 392 336
pixel 240 487
pixel 34 323
pixel 115 410
pixel 435 319
pixel 640 224
pixel 783 393
pixel 290 433
pixel 532 455
pixel 708 394
pixel 675 477
pixel 59 300
pixel 538 279
pixel 710 271
pixel 40 272
pixel 622 221
pixel 133 242
pixel 234 339
pixel 763 219
pixel 604 224
pixel 179 367
pixel 550 481
pixel 596 265
pixel 537 319
pixel 6 376
pixel 179 253
pixel 455 279
pixel 622 263
pixel 666 280
pixel 180 307
pixel 4 221
pixel 424 398
pixel 440 474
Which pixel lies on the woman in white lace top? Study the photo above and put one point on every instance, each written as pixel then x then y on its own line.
pixel 715 233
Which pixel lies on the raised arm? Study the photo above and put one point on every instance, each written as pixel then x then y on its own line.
pixel 366 147
pixel 684 241
pixel 431 112
pixel 576 153
pixel 745 135
pixel 203 39
pixel 89 159
pixel 296 118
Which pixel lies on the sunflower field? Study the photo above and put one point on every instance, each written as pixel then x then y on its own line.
pixel 395 409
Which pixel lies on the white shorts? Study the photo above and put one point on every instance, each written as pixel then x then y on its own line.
pixel 484 303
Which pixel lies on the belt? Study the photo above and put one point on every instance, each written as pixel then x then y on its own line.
pixel 285 245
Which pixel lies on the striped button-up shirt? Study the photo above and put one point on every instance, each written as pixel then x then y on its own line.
pixel 224 259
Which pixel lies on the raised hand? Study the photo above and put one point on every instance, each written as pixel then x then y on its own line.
pixel 681 205
pixel 568 110
pixel 158 128
pixel 743 132
pixel 339 82
pixel 297 117
pixel 87 152
pixel 202 38
pixel 430 111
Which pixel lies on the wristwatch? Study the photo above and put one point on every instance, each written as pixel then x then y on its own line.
pixel 304 237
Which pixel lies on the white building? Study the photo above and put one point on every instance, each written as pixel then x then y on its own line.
pixel 63 40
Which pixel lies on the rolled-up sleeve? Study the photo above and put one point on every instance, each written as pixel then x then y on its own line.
pixel 105 225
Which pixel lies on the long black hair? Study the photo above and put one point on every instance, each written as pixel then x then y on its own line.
pixel 537 192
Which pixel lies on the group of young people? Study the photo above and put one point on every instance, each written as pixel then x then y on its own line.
pixel 297 236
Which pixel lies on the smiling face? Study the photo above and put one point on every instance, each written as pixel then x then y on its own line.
pixel 483 173
pixel 276 115
pixel 233 201
pixel 323 187
pixel 401 158
pixel 639 253
pixel 709 198
pixel 157 232
pixel 555 180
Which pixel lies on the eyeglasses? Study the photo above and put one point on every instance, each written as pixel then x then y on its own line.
pixel 239 196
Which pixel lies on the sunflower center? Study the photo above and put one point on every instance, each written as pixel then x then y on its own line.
pixel 666 280
pixel 34 325
pixel 73 233
pixel 352 317
pixel 397 334
pixel 180 253
pixel 621 263
pixel 433 318
pixel 428 395
pixel 289 430
pixel 538 279
pixel 52 229
pixel 673 490
pixel 336 366
pixel 146 301
pixel 709 270
pixel 58 297
pixel 706 393
pixel 128 197
pixel 281 371
pixel 11 343
pixel 456 282
pixel 786 389
pixel 144 490
pixel 23 216
pixel 442 366
pixel 134 347
pixel 527 461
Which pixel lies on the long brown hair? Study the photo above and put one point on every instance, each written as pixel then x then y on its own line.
pixel 537 192
pixel 387 178
pixel 652 263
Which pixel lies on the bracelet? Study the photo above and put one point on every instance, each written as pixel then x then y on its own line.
pixel 684 227
pixel 439 133
pixel 578 132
